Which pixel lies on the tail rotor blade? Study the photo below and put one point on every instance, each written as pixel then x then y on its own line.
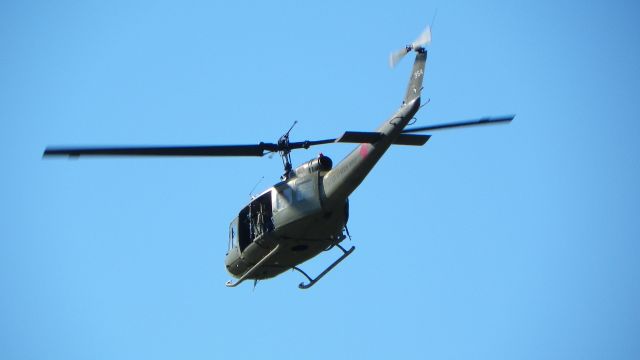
pixel 424 38
pixel 395 57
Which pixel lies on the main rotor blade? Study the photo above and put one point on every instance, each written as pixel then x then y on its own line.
pixel 308 143
pixel 215 150
pixel 483 121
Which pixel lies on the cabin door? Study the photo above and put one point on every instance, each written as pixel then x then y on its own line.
pixel 256 219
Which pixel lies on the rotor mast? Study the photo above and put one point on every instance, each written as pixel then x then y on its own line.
pixel 284 149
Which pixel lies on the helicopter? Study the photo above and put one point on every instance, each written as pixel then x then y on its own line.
pixel 306 212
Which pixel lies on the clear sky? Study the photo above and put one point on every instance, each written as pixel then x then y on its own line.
pixel 506 242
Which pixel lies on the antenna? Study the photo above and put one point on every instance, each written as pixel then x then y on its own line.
pixel 254 187
pixel 433 20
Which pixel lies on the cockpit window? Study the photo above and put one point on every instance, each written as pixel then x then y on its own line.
pixel 283 197
pixel 233 234
pixel 304 190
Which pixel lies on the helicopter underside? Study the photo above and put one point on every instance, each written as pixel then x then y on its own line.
pixel 287 246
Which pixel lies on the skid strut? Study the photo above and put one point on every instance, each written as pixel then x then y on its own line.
pixel 313 281
pixel 254 268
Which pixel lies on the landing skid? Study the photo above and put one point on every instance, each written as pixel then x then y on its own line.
pixel 313 281
pixel 254 268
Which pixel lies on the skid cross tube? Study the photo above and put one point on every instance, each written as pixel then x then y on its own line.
pixel 254 268
pixel 313 281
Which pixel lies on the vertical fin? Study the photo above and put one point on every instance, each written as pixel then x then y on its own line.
pixel 417 74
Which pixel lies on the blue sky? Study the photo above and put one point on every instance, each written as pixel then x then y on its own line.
pixel 505 242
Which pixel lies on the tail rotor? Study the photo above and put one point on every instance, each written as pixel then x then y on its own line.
pixel 418 45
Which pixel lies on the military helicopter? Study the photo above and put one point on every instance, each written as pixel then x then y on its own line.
pixel 306 213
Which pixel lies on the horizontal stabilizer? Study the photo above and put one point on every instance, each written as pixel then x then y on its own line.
pixel 365 137
pixel 414 140
pixel 359 137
